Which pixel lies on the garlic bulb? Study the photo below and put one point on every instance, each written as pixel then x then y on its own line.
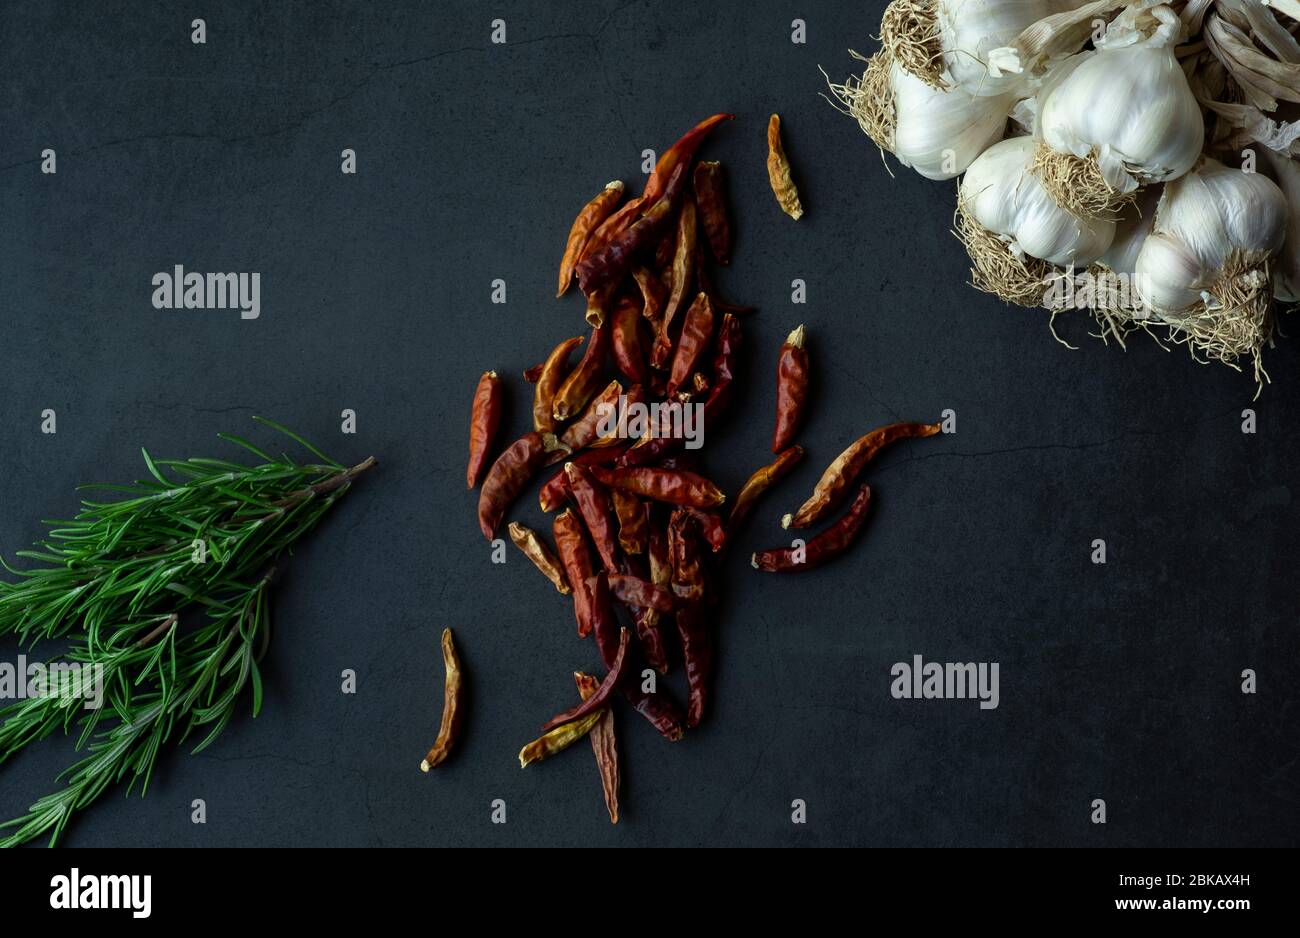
pixel 1118 117
pixel 938 133
pixel 1205 267
pixel 976 35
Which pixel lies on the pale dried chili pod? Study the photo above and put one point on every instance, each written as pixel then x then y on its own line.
pixel 551 374
pixel 778 171
pixel 451 705
pixel 604 745
pixel 530 542
pixel 592 214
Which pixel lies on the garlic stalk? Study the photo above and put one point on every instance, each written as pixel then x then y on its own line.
pixel 938 133
pixel 1285 171
pixel 1015 232
pixel 1118 117
pixel 1206 266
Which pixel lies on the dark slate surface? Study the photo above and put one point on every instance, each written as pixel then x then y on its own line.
pixel 1118 682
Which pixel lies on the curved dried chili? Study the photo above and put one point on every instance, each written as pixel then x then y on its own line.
pixel 674 486
pixel 559 739
pixel 508 476
pixel 629 354
pixel 604 745
pixel 697 658
pixel 606 267
pixel 825 546
pixel 583 381
pixel 682 277
pixel 484 420
pixel 791 388
pixel 449 731
pixel 550 376
pixel 760 482
pixel 630 513
pixel 585 431
pixel 530 542
pixel 847 467
pixel 596 700
pixel 592 214
pixel 680 153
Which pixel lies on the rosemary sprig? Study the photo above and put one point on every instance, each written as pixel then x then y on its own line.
pixel 178 638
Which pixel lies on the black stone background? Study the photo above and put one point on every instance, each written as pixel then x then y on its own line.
pixel 1118 682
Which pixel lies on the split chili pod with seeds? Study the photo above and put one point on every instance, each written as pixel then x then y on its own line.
pixel 484 420
pixel 791 388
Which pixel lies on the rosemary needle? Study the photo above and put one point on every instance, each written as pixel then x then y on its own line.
pixel 164 592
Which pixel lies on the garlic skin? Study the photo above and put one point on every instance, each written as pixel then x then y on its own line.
pixel 1128 104
pixel 1006 199
pixel 1212 220
pixel 1285 171
pixel 971 31
pixel 940 133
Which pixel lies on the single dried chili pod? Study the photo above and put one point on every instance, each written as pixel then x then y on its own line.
pixel 613 226
pixel 530 542
pixel 631 521
pixel 592 214
pixel 533 375
pixel 726 351
pixel 604 745
pixel 593 505
pixel 791 388
pixel 825 546
pixel 710 526
pixel 712 201
pixel 778 171
pixel 682 277
pixel 605 268
pixel 697 331
pixel 760 482
pixel 575 557
pixel 607 687
pixel 508 476
pixel 697 656
pixel 680 154
pixel 847 467
pixel 687 560
pixel 554 371
pixel 559 739
pixel 582 383
pixel 484 420
pixel 452 714
pixel 629 355
pixel 674 486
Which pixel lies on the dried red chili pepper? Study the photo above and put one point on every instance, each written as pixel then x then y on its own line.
pixel 530 542
pixel 604 622
pixel 760 482
pixel 451 709
pixel 663 260
pixel 582 383
pixel 629 355
pixel 680 154
pixel 648 623
pixel 697 658
pixel 586 429
pixel 575 557
pixel 613 226
pixel 609 433
pixel 652 294
pixel 508 476
pixel 606 267
pixel 697 330
pixel 710 526
pixel 484 419
pixel 682 276
pixel 533 375
pixel 553 373
pixel 674 486
pixel 791 388
pixel 631 521
pixel 593 505
pixel 848 465
pixel 778 171
pixel 825 546
pixel 712 201
pixel 604 745
pixel 634 591
pixel 659 709
pixel 687 559
pixel 556 490
pixel 592 214
pixel 726 351
pixel 596 700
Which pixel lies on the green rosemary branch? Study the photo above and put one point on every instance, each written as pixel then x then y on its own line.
pixel 123 581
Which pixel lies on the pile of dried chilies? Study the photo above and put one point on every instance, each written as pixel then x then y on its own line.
pixel 637 526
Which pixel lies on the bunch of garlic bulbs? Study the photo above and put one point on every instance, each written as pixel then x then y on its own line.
pixel 1117 111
